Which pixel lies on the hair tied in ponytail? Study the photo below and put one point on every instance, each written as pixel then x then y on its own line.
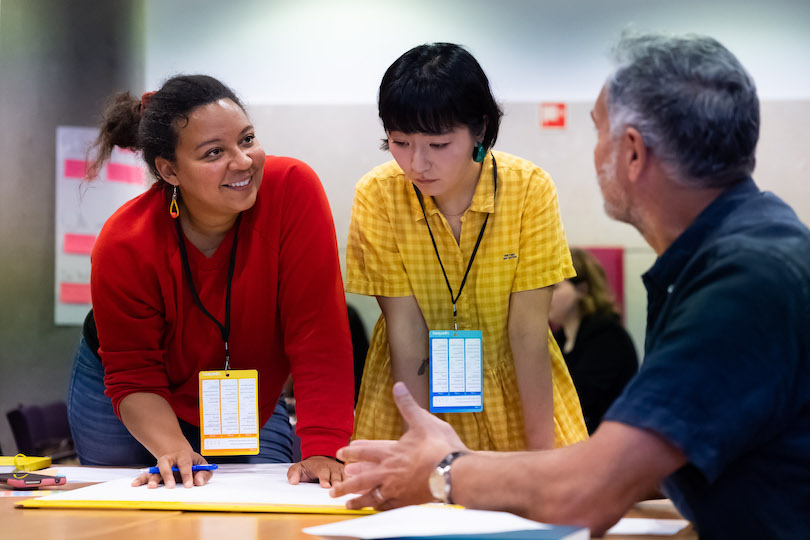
pixel 150 125
pixel 145 99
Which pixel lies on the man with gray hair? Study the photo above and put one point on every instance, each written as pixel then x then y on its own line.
pixel 719 413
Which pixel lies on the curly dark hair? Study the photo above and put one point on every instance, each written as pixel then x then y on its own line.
pixel 153 128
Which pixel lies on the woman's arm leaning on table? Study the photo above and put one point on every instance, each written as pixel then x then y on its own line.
pixel 528 338
pixel 151 420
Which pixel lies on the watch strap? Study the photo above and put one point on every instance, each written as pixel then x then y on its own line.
pixel 444 469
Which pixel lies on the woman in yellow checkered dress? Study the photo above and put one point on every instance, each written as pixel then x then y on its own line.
pixel 441 121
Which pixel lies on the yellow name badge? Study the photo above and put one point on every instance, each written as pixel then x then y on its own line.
pixel 229 412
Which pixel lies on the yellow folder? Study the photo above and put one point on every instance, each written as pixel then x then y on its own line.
pixel 192 506
pixel 233 488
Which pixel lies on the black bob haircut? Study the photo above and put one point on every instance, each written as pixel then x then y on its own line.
pixel 435 87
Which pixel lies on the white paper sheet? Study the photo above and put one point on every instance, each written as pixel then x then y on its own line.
pixel 231 484
pixel 648 526
pixel 436 520
pixel 91 474
pixel 428 520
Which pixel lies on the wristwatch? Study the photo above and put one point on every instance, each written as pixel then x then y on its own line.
pixel 439 480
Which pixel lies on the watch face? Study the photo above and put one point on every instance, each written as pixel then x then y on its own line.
pixel 437 485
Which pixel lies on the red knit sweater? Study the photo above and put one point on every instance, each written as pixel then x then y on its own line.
pixel 288 309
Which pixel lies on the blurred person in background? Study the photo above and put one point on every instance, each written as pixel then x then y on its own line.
pixel 598 350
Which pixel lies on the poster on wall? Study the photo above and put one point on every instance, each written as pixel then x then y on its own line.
pixel 82 207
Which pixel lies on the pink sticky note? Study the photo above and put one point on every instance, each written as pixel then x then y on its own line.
pixel 130 174
pixel 74 293
pixel 75 168
pixel 79 244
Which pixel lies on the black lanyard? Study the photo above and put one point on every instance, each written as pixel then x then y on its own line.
pixel 454 298
pixel 225 329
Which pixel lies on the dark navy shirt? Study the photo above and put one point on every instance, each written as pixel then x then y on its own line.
pixel 726 371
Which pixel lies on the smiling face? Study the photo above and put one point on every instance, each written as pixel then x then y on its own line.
pixel 219 163
pixel 440 166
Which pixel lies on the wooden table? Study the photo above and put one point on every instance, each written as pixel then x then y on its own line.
pixel 58 524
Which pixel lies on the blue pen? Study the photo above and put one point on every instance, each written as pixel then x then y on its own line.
pixel 194 468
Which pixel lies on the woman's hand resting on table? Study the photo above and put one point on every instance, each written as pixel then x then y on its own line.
pixel 322 469
pixel 183 460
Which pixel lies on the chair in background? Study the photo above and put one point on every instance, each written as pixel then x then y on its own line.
pixel 42 430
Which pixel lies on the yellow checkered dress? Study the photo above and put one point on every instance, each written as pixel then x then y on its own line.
pixel 390 254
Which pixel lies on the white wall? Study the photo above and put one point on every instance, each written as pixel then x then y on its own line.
pixel 309 71
pixel 332 51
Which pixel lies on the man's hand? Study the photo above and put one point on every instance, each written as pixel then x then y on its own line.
pixel 390 474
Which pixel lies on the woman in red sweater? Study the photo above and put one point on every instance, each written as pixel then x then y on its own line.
pixel 229 258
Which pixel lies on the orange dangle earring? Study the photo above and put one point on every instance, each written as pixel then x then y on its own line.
pixel 174 211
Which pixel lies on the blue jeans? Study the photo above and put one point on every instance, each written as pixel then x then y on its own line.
pixel 102 439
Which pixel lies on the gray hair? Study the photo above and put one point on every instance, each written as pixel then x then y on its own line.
pixel 693 103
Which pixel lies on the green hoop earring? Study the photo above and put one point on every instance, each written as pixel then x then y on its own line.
pixel 479 152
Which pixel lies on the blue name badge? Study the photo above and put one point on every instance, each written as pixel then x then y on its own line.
pixel 456 371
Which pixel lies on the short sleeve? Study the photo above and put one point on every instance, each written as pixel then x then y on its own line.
pixel 374 265
pixel 544 256
pixel 719 376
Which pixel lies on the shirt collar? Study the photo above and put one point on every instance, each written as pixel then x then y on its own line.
pixel 483 197
pixel 667 267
